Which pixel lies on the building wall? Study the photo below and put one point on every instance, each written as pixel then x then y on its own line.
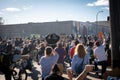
pixel 24 30
pixel 58 27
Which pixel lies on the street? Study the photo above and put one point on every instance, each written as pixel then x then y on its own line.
pixel 35 74
pixel 32 75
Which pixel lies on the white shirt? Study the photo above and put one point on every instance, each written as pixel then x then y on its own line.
pixel 99 52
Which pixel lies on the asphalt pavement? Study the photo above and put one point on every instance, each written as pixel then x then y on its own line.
pixel 35 74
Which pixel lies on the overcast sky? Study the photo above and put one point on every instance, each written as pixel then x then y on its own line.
pixel 24 11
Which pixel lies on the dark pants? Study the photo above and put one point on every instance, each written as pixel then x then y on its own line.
pixel 42 78
pixel 103 64
pixel 91 61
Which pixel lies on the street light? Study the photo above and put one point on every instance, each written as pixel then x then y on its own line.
pixel 97 20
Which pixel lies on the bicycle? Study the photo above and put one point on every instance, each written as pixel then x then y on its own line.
pixel 19 70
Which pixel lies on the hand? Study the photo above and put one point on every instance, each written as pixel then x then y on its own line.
pixel 54 52
pixel 88 68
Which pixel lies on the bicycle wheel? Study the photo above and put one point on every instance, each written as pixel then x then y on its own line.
pixel 22 75
pixel 14 74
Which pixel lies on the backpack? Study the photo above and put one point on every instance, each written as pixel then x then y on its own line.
pixel 79 67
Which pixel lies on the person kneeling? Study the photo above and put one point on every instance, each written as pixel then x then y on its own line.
pixel 55 74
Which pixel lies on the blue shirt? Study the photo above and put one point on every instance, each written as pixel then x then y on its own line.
pixel 77 59
pixel 47 63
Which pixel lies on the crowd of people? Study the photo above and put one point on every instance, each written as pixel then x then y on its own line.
pixel 51 53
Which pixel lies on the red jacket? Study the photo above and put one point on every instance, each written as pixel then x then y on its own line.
pixel 72 51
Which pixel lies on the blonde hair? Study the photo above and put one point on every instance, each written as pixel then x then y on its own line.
pixel 80 50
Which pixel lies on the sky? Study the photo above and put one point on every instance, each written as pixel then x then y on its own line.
pixel 25 11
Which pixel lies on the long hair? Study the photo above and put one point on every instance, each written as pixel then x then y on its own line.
pixel 80 50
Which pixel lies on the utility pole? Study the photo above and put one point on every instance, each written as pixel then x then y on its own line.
pixel 115 32
pixel 97 21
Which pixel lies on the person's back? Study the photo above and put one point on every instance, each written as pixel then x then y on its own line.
pixel 100 57
pixel 79 59
pixel 61 52
pixel 100 53
pixel 48 61
pixel 46 64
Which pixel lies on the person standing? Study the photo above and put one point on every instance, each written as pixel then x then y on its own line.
pixel 100 56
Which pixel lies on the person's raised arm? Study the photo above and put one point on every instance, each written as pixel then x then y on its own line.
pixel 83 75
pixel 54 52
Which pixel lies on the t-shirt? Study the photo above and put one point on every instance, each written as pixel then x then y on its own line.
pixel 61 52
pixel 72 52
pixel 100 53
pixel 77 59
pixel 46 64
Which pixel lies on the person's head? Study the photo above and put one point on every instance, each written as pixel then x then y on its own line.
pixel 8 42
pixel 48 51
pixel 76 42
pixel 57 69
pixel 90 44
pixel 80 50
pixel 97 43
pixel 59 45
pixel 107 46
pixel 42 44
pixel 17 51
